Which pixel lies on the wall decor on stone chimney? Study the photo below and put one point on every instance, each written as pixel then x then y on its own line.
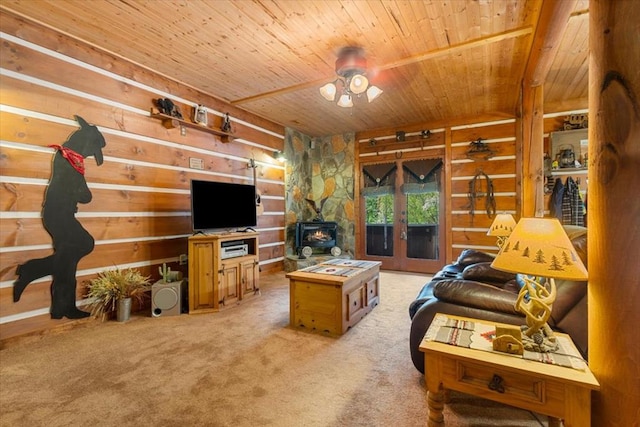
pixel 317 208
pixel 71 242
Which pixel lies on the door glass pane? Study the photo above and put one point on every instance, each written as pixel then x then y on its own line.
pixel 378 192
pixel 422 192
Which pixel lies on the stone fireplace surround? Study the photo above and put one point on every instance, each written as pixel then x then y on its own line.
pixel 320 170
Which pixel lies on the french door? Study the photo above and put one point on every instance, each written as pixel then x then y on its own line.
pixel 402 209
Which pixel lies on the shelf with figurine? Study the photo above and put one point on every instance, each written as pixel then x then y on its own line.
pixel 172 118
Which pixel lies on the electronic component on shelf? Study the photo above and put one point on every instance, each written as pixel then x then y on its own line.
pixel 233 249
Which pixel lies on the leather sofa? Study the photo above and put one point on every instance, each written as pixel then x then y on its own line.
pixel 470 287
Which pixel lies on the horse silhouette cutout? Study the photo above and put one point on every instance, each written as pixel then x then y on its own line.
pixel 71 242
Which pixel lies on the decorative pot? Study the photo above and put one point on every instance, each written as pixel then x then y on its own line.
pixel 124 309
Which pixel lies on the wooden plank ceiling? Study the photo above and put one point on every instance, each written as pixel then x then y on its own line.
pixel 436 61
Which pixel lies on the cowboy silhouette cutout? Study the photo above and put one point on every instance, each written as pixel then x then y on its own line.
pixel 71 242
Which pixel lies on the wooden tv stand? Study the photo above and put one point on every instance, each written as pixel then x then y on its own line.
pixel 218 280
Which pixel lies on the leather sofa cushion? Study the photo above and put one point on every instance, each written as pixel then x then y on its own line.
pixel 472 256
pixel 475 294
pixel 483 272
pixel 570 293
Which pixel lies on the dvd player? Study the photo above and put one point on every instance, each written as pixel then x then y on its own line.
pixel 232 251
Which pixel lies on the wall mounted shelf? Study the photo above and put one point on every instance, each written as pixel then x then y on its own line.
pixel 174 122
pixel 569 171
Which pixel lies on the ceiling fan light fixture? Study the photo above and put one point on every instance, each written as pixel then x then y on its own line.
pixel 351 68
pixel 373 92
pixel 358 84
pixel 345 101
pixel 329 91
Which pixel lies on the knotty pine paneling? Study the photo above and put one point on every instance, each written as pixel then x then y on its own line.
pixel 500 185
pixel 30 231
pixel 272 205
pixel 139 214
pixel 105 255
pixel 492 131
pixel 479 220
pixel 467 230
pixel 29 198
pixel 413 142
pixel 273 219
pixel 490 167
pixel 503 203
pixel 473 238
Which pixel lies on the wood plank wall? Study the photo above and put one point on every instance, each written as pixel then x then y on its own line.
pixel 140 212
pixel 463 229
pixel 451 141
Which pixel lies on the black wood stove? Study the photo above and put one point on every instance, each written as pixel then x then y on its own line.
pixel 316 235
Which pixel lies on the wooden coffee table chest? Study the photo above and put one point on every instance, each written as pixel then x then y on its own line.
pixel 334 296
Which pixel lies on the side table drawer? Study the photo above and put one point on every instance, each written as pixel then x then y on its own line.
pixel 513 387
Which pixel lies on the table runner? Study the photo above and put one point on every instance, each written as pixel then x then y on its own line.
pixel 334 271
pixel 340 267
pixel 479 336
pixel 351 263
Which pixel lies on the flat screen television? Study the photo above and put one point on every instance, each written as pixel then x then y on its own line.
pixel 222 205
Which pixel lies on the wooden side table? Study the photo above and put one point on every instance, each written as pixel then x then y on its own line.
pixel 557 391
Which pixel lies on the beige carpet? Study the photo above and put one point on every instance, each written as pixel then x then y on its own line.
pixel 241 367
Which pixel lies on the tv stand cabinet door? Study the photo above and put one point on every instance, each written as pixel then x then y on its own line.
pixel 229 279
pixel 202 295
pixel 249 278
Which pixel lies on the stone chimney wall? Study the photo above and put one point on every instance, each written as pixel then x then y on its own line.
pixel 322 170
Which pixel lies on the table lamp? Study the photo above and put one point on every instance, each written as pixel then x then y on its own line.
pixel 540 250
pixel 501 227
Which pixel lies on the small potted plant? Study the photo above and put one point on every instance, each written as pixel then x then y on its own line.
pixel 167 275
pixel 115 290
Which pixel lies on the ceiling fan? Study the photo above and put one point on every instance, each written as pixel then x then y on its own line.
pixel 351 68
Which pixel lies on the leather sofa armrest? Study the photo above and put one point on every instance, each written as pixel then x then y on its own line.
pixel 426 293
pixel 475 294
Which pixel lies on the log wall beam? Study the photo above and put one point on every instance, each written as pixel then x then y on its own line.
pixel 614 210
pixel 553 18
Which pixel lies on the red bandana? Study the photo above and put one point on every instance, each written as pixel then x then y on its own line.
pixel 76 160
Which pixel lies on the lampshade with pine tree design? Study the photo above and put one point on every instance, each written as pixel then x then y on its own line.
pixel 540 247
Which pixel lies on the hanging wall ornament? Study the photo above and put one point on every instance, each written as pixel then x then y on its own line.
pixel 479 190
pixel 479 150
pixel 226 123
